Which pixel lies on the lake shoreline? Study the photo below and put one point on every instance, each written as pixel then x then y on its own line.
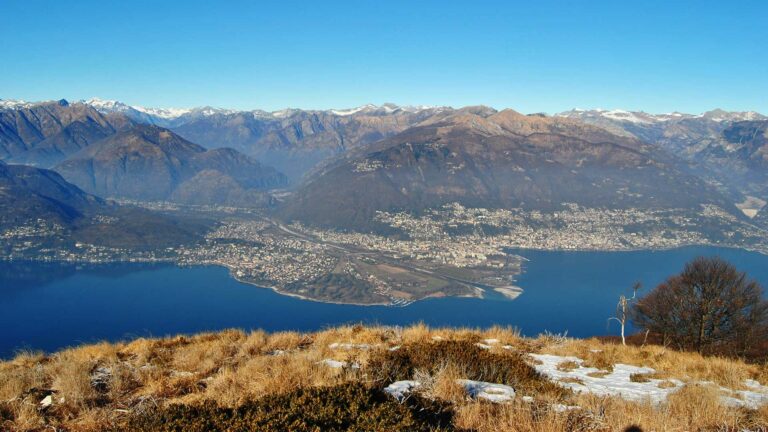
pixel 572 291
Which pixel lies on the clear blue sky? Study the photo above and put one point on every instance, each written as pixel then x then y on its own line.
pixel 533 56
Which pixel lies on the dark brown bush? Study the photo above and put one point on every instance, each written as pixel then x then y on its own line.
pixel 346 407
pixel 710 307
pixel 472 361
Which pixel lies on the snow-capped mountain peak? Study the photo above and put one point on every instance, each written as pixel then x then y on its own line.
pixel 159 116
pixel 18 103
pixel 166 113
pixel 117 106
pixel 719 115
pixel 387 108
pixel 105 104
pixel 641 117
pixel 350 111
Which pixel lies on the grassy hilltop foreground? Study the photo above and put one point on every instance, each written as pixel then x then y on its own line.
pixel 379 379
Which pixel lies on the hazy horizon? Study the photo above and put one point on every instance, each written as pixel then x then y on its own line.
pixel 338 108
pixel 548 57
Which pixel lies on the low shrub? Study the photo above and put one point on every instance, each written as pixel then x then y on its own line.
pixel 346 407
pixel 470 360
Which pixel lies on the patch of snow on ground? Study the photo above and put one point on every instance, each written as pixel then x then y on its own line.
pixel 616 383
pixel 563 408
pixel 399 389
pixel 488 391
pixel 335 364
pixel 476 389
pixel 754 398
pixel 348 346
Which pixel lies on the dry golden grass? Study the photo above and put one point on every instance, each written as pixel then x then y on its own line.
pixel 442 384
pixel 233 367
pixel 691 409
pixel 567 365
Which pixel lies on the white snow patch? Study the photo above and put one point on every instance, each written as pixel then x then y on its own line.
pixel 106 106
pixel 336 364
pixel 399 389
pixel 349 346
pixel 475 389
pixel 283 113
pixel 350 111
pixel 616 383
pixel 564 408
pixel 166 113
pixel 627 116
pixel 488 391
pixel 17 103
pixel 489 343
pixel 387 108
pixel 754 398
pixel 10 103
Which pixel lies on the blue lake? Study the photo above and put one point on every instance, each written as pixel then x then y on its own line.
pixel 50 306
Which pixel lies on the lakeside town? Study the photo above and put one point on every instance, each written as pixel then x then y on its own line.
pixel 452 250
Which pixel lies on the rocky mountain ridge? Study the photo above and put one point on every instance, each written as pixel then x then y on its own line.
pixel 151 163
pixel 707 142
pixel 482 158
pixel 45 133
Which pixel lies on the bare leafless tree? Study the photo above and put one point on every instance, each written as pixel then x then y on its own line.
pixel 710 307
pixel 622 310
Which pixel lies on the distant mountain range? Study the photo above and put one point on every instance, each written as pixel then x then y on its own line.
pixel 165 117
pixel 112 155
pixel 45 133
pixel 711 142
pixel 344 165
pixel 483 158
pixel 293 141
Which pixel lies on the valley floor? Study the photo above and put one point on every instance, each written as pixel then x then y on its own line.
pixel 379 378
